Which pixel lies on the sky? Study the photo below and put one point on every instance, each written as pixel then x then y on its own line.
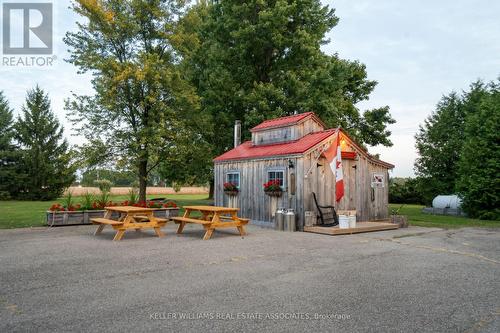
pixel 417 51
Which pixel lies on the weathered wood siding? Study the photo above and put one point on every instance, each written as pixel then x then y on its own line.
pixel 273 136
pixel 370 203
pixel 251 199
pixel 288 133
pixel 357 187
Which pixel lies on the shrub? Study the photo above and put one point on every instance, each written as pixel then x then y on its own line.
pixel 176 186
pixel 133 196
pixel 405 191
pixel 104 185
pixel 88 200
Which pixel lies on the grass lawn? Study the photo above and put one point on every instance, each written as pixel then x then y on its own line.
pixel 23 214
pixel 417 218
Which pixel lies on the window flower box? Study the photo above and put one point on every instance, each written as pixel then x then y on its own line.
pixel 274 193
pixel 166 212
pixel 273 188
pixel 231 189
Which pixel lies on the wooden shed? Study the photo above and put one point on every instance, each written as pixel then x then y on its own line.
pixel 290 149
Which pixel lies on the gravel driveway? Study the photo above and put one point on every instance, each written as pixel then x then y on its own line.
pixel 411 280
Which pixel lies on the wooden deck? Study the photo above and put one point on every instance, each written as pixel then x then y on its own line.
pixel 360 227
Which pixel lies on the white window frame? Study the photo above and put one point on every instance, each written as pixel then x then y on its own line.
pixel 234 173
pixel 283 170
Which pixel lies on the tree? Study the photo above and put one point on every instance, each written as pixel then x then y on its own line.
pixel 10 172
pixel 257 60
pixel 117 177
pixel 46 159
pixel 404 191
pixel 479 162
pixel 143 108
pixel 439 142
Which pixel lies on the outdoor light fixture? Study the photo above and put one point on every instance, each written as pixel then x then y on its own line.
pixel 290 164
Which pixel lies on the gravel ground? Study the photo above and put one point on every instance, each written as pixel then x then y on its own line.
pixel 410 280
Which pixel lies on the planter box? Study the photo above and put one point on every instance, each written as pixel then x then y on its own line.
pixel 166 212
pixel 274 193
pixel 231 193
pixel 72 218
pixel 400 220
pixel 84 217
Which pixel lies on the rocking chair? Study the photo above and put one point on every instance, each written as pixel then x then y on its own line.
pixel 326 213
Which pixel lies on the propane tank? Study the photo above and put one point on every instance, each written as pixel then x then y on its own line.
pixel 290 220
pixel 279 219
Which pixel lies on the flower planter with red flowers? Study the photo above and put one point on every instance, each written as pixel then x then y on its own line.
pixel 231 189
pixel 59 215
pixel 72 217
pixel 273 188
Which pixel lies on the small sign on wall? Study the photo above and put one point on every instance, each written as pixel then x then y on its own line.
pixel 378 180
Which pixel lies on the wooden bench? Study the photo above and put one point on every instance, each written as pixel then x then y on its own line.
pixel 143 218
pixel 242 220
pixel 99 220
pixel 179 219
pixel 103 222
pixel 136 218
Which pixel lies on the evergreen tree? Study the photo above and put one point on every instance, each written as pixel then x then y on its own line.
pixel 10 171
pixel 479 163
pixel 46 160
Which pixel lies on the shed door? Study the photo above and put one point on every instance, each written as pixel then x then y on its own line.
pixel 348 202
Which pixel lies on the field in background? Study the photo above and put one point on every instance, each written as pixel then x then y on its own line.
pixel 77 190
pixel 23 214
pixel 417 218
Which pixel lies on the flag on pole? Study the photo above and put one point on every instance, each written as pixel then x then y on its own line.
pixel 334 157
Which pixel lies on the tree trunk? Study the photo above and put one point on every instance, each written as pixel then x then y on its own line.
pixel 143 179
pixel 211 189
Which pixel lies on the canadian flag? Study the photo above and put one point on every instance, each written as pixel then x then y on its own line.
pixel 334 157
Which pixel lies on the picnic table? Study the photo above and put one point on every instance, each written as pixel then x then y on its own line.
pixel 130 217
pixel 212 217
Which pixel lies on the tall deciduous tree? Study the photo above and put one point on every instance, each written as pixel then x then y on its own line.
pixel 479 162
pixel 143 109
pixel 46 159
pixel 439 142
pixel 262 59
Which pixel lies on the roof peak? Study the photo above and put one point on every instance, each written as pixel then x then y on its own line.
pixel 283 121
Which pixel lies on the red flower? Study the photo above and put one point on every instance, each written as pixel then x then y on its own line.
pixel 170 204
pixel 272 186
pixel 230 187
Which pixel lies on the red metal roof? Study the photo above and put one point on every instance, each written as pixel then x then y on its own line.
pixel 283 121
pixel 247 150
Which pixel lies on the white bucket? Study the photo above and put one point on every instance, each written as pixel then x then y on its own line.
pixel 343 222
pixel 352 221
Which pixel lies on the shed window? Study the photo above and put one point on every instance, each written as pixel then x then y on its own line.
pixel 277 175
pixel 233 177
